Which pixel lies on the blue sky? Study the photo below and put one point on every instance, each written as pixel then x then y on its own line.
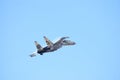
pixel 93 24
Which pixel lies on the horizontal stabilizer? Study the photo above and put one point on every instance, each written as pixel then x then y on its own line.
pixel 34 54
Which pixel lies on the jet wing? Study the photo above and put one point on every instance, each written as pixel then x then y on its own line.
pixel 48 42
pixel 61 39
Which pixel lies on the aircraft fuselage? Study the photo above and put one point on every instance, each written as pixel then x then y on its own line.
pixel 51 46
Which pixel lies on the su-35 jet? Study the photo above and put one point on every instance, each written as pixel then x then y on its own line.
pixel 51 46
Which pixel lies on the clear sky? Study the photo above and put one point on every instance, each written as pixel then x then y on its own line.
pixel 93 24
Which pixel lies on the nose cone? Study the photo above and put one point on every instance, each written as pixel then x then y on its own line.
pixel 68 42
pixel 73 43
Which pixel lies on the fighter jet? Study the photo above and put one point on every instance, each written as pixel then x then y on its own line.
pixel 51 46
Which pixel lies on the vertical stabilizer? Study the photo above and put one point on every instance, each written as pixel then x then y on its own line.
pixel 38 46
pixel 48 42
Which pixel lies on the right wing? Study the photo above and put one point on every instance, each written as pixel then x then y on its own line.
pixel 61 39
